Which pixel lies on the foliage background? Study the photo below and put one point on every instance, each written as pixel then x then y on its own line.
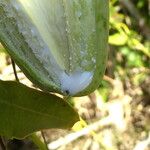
pixel 118 112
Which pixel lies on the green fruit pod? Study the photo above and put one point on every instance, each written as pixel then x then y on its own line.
pixel 60 45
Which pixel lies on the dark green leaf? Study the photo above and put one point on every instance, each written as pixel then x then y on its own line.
pixel 24 110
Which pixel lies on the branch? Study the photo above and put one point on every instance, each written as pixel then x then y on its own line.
pixel 73 136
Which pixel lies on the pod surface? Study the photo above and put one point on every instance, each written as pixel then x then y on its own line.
pixel 60 45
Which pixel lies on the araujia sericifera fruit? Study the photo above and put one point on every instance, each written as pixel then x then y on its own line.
pixel 60 45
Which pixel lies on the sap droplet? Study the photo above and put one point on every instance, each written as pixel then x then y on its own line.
pixel 75 82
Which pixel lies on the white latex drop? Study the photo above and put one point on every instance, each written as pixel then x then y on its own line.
pixel 76 82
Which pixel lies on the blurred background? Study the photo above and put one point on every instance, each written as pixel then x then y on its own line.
pixel 117 115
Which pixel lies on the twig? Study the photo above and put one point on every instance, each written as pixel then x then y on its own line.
pixel 109 79
pixel 43 136
pixel 73 136
pixel 14 69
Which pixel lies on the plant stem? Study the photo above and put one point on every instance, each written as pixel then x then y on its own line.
pixel 14 68
pixel 38 142
pixel 43 136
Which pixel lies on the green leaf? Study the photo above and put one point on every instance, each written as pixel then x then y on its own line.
pixel 118 39
pixel 60 45
pixel 24 110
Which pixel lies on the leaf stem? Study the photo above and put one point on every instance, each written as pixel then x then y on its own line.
pixel 43 136
pixel 14 68
pixel 38 142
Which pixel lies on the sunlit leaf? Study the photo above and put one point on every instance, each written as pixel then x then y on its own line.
pixel 118 39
